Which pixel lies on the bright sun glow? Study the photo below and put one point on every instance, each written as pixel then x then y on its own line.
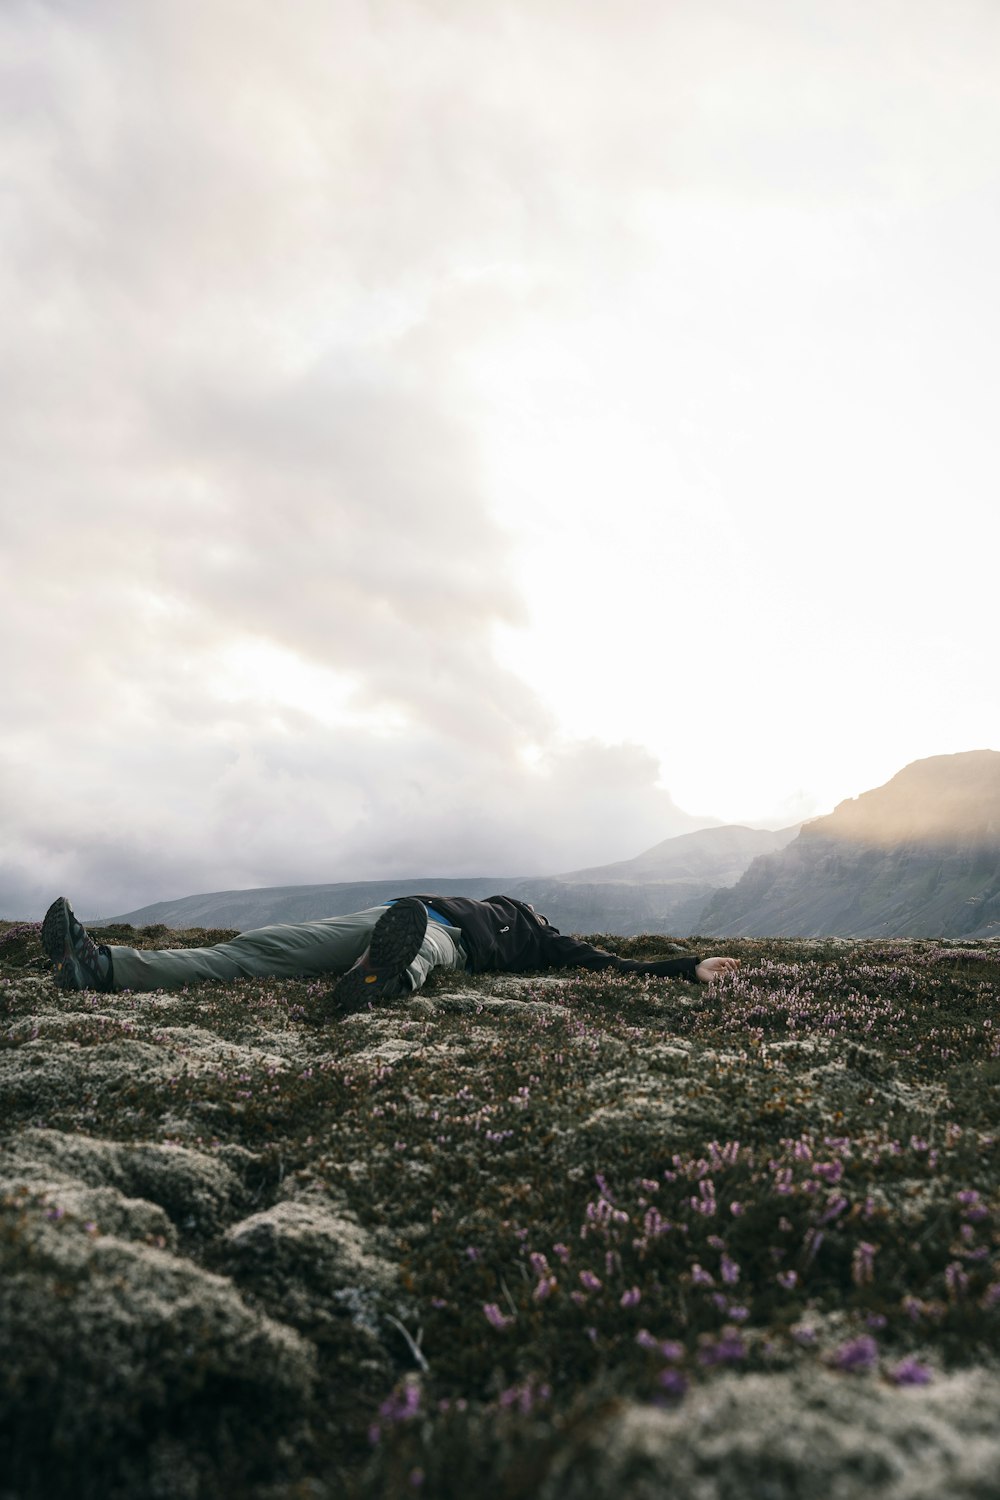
pixel 257 671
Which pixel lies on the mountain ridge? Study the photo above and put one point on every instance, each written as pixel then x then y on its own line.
pixel 918 856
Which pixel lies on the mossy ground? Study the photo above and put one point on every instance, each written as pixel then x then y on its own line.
pixel 511 1226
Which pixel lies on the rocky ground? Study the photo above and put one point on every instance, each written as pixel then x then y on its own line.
pixel 559 1236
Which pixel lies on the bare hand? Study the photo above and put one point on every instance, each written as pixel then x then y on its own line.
pixel 714 968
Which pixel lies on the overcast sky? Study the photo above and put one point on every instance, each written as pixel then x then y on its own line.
pixel 451 438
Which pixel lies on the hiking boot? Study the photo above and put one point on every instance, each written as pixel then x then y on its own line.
pixel 80 963
pixel 380 972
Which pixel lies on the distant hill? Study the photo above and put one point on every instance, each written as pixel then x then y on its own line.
pixel 662 890
pixel 917 857
pixel 719 855
pixel 260 907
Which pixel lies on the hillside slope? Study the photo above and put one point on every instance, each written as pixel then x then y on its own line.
pixel 662 890
pixel 919 856
pixel 717 855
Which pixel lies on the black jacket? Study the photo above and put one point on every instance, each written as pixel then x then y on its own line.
pixel 503 933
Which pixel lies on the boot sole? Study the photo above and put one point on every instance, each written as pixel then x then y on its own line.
pixel 57 941
pixel 396 940
pixel 55 932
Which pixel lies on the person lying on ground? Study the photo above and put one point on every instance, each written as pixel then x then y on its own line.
pixel 378 954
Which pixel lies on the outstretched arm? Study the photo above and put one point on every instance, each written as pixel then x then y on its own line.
pixel 568 951
pixel 713 968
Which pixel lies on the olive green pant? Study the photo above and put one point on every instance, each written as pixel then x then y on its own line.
pixel 290 951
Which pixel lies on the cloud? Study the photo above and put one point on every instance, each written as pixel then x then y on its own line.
pixel 285 800
pixel 268 279
pixel 251 568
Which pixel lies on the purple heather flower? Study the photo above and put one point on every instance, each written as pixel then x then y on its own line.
pixel 830 1171
pixel 863 1263
pixel 856 1354
pixel 493 1316
pixel 562 1251
pixel 730 1270
pixel 911 1372
pixel 545 1287
pixel 725 1350
pixel 673 1382
pixel 645 1339
pixel 402 1405
pixel 813 1240
pixel 736 1209
pixel 875 1321
pixel 701 1277
pixel 590 1282
pixel 956 1280
pixel 787 1279
pixel 538 1263
pixel 630 1298
pixel 654 1224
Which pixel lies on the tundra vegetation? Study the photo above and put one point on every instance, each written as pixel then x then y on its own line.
pixel 556 1236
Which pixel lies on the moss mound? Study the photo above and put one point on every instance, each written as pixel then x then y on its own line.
pixel 135 1370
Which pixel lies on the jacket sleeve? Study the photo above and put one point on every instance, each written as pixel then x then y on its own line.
pixel 569 952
